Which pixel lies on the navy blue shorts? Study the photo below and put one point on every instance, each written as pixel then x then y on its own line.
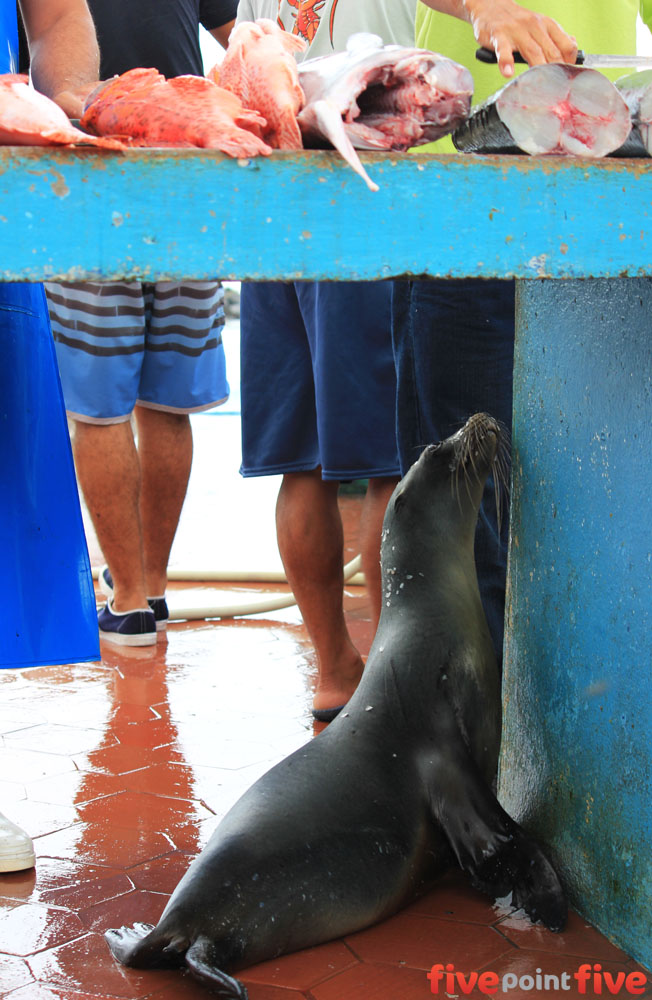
pixel 318 381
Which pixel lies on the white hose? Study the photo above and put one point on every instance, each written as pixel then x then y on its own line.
pixel 244 606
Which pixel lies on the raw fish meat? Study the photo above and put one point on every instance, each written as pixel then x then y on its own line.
pixel 636 89
pixel 375 96
pixel 184 111
pixel 28 118
pixel 259 67
pixel 555 108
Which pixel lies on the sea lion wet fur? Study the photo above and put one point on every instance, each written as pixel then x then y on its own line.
pixel 349 828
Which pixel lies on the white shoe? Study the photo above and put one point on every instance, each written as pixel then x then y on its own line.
pixel 16 848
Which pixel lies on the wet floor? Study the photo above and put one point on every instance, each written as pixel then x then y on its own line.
pixel 121 770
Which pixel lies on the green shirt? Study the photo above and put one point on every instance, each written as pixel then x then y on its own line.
pixel 598 26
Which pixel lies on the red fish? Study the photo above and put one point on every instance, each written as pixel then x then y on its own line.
pixel 149 110
pixel 28 118
pixel 260 68
pixel 555 108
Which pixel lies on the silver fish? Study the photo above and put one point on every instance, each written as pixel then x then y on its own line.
pixel 551 109
pixel 636 89
pixel 375 96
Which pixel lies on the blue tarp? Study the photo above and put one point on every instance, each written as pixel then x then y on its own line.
pixel 47 603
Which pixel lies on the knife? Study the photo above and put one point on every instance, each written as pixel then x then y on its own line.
pixel 583 59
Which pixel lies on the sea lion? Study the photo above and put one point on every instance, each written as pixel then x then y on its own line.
pixel 350 827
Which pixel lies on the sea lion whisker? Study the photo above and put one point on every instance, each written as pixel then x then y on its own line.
pixel 501 470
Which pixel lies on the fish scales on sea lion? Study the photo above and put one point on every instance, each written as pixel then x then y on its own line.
pixel 352 826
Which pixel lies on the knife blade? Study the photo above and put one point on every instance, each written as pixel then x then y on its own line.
pixel 583 59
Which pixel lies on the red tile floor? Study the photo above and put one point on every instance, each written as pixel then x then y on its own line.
pixel 121 770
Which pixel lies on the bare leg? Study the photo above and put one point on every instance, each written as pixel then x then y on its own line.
pixel 309 531
pixel 109 475
pixel 371 525
pixel 165 452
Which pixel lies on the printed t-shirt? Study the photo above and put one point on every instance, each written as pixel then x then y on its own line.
pixel 327 24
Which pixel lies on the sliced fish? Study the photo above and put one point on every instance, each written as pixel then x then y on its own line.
pixel 375 96
pixel 551 109
pixel 636 88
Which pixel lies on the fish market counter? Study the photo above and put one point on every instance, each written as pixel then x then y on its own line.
pixel 75 213
pixel 576 763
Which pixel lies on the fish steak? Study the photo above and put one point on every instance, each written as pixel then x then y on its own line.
pixel 550 109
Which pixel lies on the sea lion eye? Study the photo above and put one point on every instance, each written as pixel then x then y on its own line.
pixel 399 500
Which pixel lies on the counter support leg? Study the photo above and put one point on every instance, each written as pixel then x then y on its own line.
pixel 576 761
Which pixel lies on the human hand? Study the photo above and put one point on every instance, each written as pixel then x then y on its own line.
pixel 72 101
pixel 505 27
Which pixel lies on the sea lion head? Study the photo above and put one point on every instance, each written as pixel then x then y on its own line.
pixel 440 495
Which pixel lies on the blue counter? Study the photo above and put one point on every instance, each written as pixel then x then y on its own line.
pixel 87 213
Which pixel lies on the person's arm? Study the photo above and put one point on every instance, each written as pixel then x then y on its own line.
pixel 64 57
pixel 646 12
pixel 218 17
pixel 222 33
pixel 506 27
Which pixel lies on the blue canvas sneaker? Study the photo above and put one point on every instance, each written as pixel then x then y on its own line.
pixel 158 604
pixel 161 614
pixel 128 628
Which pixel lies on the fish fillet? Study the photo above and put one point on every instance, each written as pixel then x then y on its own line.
pixel 405 96
pixel 259 67
pixel 381 97
pixel 149 110
pixel 29 118
pixel 550 109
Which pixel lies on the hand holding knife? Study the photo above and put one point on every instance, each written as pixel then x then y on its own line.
pixel 583 59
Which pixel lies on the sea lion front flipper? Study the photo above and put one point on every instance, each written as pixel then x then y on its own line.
pixel 522 867
pixel 203 962
pixel 489 845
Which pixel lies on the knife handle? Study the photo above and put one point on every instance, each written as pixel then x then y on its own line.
pixel 489 56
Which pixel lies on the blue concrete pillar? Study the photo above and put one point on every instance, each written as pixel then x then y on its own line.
pixel 576 760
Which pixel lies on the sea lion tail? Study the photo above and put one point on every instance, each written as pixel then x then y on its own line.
pixel 203 961
pixel 520 866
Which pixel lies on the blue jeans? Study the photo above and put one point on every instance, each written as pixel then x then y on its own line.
pixel 454 352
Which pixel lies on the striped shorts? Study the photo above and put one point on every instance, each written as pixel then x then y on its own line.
pixel 122 343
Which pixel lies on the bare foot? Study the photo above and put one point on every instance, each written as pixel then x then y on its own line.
pixel 336 683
